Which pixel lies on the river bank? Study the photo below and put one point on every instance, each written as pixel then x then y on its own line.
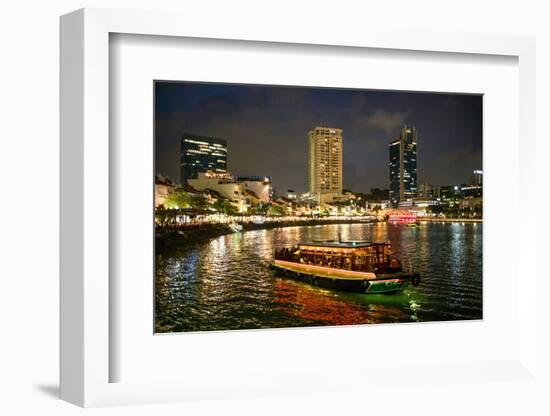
pixel 204 232
pixel 444 220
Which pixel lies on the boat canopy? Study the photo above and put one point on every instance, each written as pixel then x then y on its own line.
pixel 342 244
pixel 354 248
pixel 350 255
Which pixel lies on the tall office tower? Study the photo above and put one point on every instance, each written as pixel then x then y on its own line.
pixel 325 163
pixel 201 154
pixel 403 183
pixel 476 178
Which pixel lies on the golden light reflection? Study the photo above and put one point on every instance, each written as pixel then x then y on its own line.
pixel 321 305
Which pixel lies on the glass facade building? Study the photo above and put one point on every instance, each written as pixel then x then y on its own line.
pixel 201 154
pixel 403 181
pixel 395 175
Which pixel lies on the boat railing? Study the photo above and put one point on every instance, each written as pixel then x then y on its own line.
pixel 286 254
pixel 367 265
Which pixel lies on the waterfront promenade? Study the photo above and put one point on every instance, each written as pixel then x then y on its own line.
pixel 185 233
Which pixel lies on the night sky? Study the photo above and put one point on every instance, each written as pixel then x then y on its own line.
pixel 266 130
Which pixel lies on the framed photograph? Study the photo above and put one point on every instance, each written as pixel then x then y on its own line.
pixel 286 213
pixel 269 219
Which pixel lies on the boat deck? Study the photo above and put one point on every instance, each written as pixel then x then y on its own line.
pixel 324 271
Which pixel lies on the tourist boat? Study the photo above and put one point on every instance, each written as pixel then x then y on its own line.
pixel 352 266
pixel 406 217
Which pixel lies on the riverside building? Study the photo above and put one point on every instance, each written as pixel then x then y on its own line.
pixel 403 184
pixel 325 163
pixel 243 192
pixel 201 154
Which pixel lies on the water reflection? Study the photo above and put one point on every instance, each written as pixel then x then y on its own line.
pixel 226 283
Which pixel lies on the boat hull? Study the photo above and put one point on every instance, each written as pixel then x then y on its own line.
pixel 369 284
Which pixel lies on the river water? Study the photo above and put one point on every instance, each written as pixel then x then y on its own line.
pixel 226 283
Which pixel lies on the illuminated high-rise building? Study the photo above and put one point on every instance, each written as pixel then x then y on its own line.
pixel 403 184
pixel 201 154
pixel 325 163
pixel 476 178
pixel 475 188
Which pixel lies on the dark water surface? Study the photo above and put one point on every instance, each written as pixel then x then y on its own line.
pixel 226 283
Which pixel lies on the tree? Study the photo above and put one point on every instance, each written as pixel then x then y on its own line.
pixel 223 206
pixel 219 206
pixel 276 210
pixel 177 199
pixel 435 209
pixel 160 215
pixel 260 209
pixel 199 202
pixel 453 212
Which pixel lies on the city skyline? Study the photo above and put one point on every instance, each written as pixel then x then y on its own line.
pixel 261 125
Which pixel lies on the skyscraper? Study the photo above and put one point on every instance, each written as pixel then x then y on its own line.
pixel 201 154
pixel 476 178
pixel 403 183
pixel 325 163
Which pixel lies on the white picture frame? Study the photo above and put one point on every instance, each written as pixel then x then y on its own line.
pixel 85 212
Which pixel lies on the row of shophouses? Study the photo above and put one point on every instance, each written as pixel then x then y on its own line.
pixel 248 192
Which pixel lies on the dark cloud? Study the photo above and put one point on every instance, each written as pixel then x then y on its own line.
pixel 390 123
pixel 266 130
